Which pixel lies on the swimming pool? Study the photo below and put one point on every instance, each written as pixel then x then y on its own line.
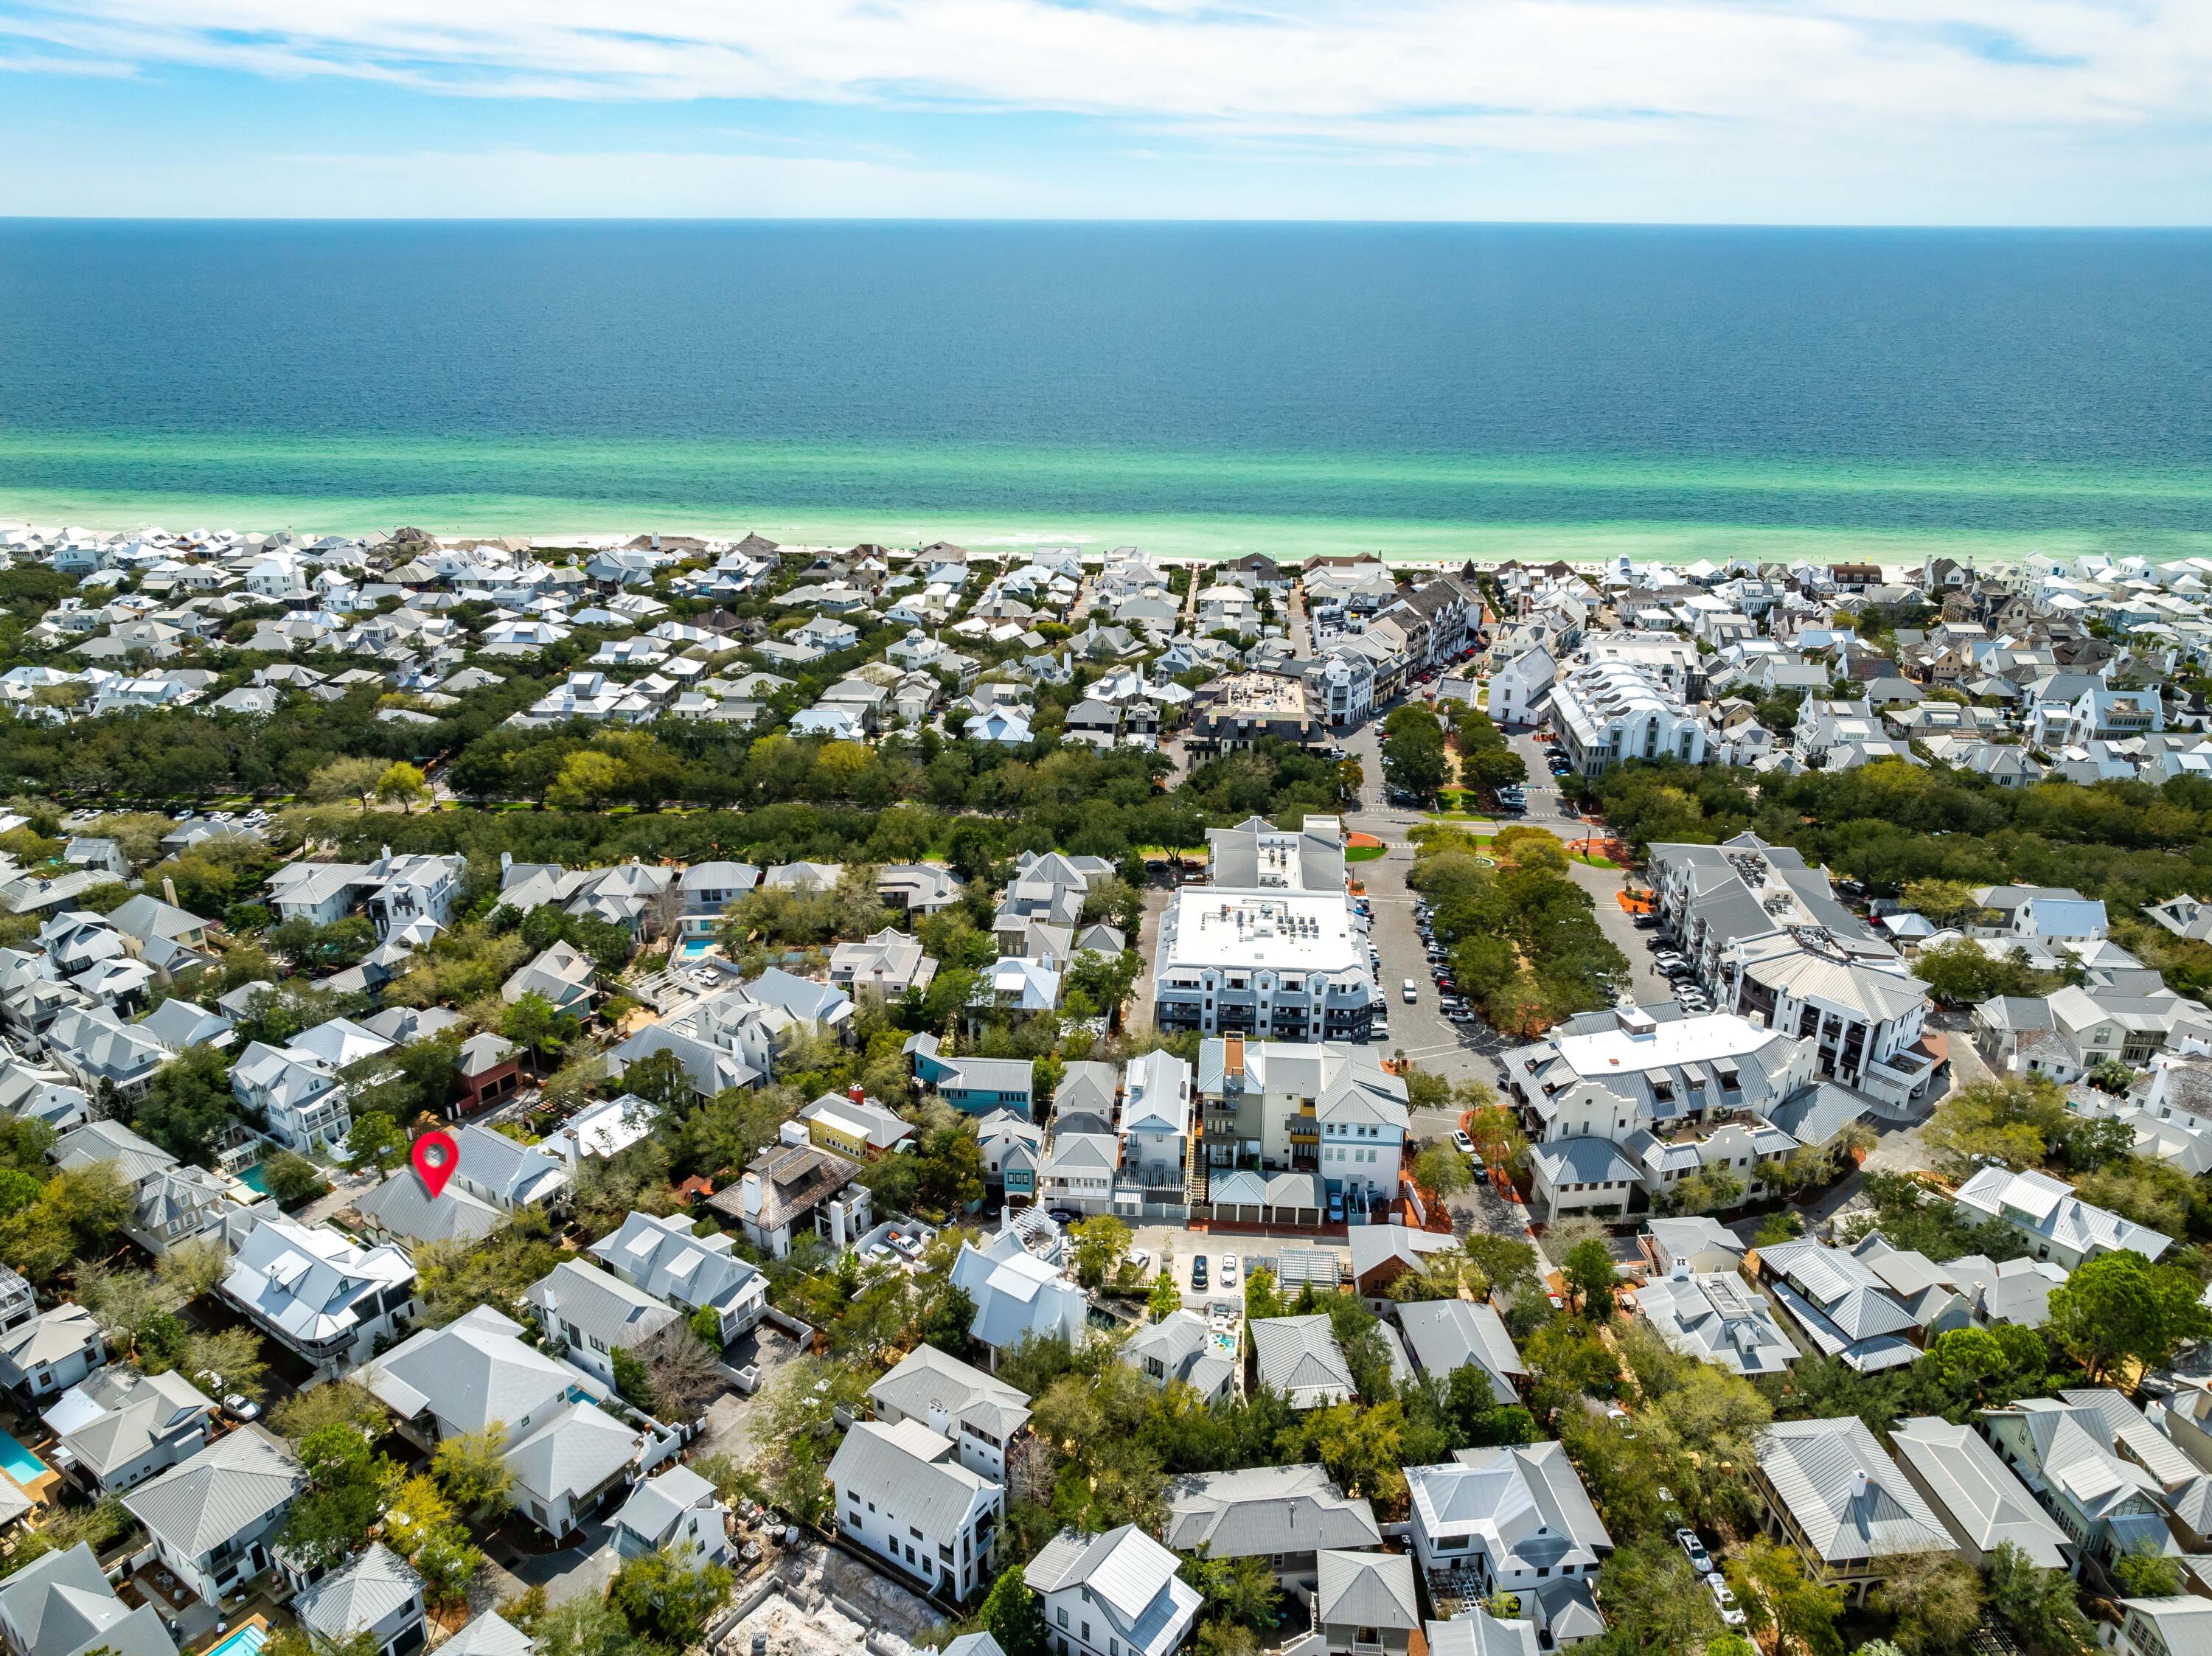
pixel 246 1641
pixel 19 1463
pixel 695 948
pixel 256 1177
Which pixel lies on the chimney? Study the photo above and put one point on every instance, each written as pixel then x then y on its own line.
pixel 1680 1271
pixel 1859 1483
pixel 752 1195
pixel 506 861
pixel 941 1418
pixel 1232 1058
pixel 857 1093
pixel 169 892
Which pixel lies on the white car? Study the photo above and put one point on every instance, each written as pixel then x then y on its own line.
pixel 1141 1258
pixel 1462 1142
pixel 1410 992
pixel 1229 1271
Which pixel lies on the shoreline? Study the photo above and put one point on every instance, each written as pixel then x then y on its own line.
pixel 1194 539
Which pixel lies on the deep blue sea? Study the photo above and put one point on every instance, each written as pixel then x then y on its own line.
pixel 1423 390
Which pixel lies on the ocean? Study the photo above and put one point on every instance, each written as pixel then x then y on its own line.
pixel 1424 391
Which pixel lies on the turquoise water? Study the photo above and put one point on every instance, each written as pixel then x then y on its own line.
pixel 18 1462
pixel 694 949
pixel 256 1177
pixel 1424 391
pixel 245 1642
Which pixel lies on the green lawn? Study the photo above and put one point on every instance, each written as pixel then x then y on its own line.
pixel 1364 853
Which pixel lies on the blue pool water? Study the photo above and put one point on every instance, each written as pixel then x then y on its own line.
pixel 246 1641
pixel 18 1462
pixel 696 949
pixel 256 1177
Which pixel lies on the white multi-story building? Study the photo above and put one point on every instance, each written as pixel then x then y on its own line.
pixel 1273 947
pixel 1326 1109
pixel 1619 1102
pixel 1520 688
pixel 903 1493
pixel 1606 713
pixel 1115 1594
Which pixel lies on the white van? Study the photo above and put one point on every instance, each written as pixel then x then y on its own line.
pixel 1409 991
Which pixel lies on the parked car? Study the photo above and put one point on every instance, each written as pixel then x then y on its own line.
pixel 1463 1141
pixel 1410 992
pixel 1700 1559
pixel 1336 1207
pixel 1229 1271
pixel 1198 1273
pixel 1141 1258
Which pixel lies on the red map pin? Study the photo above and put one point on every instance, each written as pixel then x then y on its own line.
pixel 435 1155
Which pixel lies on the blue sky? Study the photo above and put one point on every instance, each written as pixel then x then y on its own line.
pixel 1963 111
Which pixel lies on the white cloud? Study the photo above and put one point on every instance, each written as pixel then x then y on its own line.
pixel 1454 76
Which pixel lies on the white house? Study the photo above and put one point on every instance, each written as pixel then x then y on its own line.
pixel 212 1518
pixel 590 1315
pixel 903 1493
pixel 319 1293
pixel 664 1259
pixel 1115 1594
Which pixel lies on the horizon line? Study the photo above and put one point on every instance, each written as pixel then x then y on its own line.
pixel 1864 226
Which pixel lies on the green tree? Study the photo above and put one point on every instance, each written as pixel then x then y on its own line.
pixel 375 1141
pixel 345 779
pixel 1589 1275
pixel 292 1178
pixel 345 1403
pixel 1776 1594
pixel 1654 1601
pixel 533 1022
pixel 2146 1574
pixel 2037 1604
pixel 1936 1598
pixel 2119 1307
pixel 331 1519
pixel 401 784
pixel 1100 1242
pixel 1011 1616
pixel 1443 1171
pixel 666 1598
pixel 1166 1296
pixel 188 1106
pixel 471 1470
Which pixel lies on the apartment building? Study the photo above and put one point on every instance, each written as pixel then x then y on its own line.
pixel 1321 1108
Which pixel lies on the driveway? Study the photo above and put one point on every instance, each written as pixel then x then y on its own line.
pixel 733 1421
